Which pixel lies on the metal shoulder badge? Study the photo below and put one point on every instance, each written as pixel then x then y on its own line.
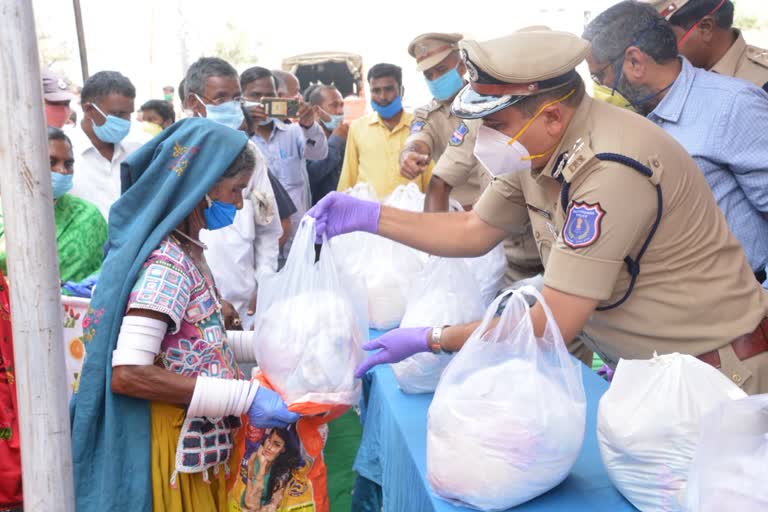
pixel 458 134
pixel 582 228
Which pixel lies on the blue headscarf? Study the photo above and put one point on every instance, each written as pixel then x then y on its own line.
pixel 162 182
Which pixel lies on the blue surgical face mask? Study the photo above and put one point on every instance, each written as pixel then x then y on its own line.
pixel 61 184
pixel 218 214
pixel 334 122
pixel 230 114
pixel 445 87
pixel 114 128
pixel 388 111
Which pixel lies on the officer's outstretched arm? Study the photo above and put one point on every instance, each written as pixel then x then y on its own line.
pixel 455 235
pixel 570 311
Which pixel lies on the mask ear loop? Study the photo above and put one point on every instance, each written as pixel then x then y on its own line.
pixel 94 105
pixel 532 119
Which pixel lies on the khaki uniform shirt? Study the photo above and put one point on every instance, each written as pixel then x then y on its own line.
pixel 696 291
pixel 744 61
pixel 439 129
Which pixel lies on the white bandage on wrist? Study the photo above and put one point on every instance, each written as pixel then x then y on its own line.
pixel 214 397
pixel 139 341
pixel 243 344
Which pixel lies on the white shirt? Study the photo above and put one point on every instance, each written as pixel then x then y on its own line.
pixel 96 179
pixel 240 253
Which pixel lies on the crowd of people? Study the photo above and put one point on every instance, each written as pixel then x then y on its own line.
pixel 644 206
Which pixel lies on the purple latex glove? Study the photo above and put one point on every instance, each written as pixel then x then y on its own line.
pixel 606 372
pixel 395 346
pixel 337 214
pixel 269 411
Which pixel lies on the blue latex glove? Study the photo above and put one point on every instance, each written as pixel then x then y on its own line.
pixel 395 346
pixel 337 214
pixel 82 289
pixel 269 411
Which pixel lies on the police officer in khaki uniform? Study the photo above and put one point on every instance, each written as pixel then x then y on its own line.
pixel 434 128
pixel 707 39
pixel 636 251
pixel 438 135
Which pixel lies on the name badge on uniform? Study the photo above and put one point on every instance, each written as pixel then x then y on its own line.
pixel 582 228
pixel 538 210
pixel 458 134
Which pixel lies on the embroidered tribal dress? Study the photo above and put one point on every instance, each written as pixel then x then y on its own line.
pixel 185 449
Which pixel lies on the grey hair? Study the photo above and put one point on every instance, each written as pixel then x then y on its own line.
pixel 245 161
pixel 203 69
pixel 631 23
pixel 315 94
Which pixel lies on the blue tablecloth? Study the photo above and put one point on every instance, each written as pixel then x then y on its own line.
pixel 394 447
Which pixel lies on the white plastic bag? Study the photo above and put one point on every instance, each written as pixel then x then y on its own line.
pixel 489 271
pixel 730 466
pixel 507 420
pixel 311 324
pixel 648 425
pixel 443 293
pixel 387 267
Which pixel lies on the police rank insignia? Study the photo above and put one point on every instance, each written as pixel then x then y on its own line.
pixel 417 126
pixel 458 134
pixel 582 228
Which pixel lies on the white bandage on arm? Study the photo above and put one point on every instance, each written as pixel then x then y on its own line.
pixel 139 341
pixel 243 344
pixel 215 397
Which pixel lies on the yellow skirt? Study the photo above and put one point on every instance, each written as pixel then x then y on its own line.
pixel 191 493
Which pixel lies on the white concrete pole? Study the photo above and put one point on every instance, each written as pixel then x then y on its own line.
pixel 36 314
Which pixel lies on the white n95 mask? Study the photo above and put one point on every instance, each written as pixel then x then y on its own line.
pixel 497 155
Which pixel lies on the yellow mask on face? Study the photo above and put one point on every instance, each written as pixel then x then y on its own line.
pixel 151 128
pixel 606 94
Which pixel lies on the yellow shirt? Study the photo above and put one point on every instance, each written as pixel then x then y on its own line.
pixel 373 155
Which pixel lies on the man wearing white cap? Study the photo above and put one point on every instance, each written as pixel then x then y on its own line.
pixel 610 196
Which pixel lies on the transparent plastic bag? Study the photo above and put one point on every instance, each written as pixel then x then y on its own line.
pixel 443 293
pixel 507 420
pixel 730 467
pixel 387 267
pixel 311 324
pixel 489 270
pixel 648 425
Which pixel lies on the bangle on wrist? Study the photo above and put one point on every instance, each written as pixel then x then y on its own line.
pixel 435 340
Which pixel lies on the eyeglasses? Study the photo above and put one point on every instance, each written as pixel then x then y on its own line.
pixel 384 89
pixel 220 101
pixel 597 77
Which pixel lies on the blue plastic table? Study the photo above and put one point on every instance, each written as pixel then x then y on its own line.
pixel 394 447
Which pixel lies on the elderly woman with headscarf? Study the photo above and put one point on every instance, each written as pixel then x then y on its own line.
pixel 161 394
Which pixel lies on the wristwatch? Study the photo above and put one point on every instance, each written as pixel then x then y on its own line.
pixel 435 340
